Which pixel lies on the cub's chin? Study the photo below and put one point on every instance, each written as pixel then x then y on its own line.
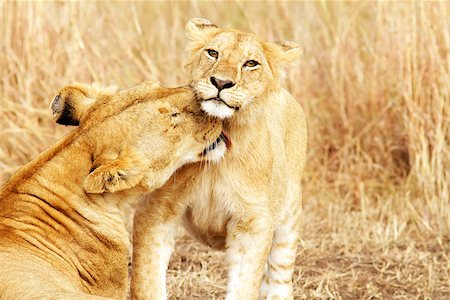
pixel 217 108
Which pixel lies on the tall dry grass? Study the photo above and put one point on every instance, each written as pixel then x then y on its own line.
pixel 375 84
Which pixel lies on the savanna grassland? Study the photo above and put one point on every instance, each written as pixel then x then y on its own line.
pixel 374 81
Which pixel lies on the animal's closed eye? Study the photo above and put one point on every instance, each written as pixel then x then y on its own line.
pixel 175 114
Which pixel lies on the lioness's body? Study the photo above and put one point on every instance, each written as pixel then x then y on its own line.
pixel 55 238
pixel 248 203
pixel 62 235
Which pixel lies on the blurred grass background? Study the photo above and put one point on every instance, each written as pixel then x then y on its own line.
pixel 375 84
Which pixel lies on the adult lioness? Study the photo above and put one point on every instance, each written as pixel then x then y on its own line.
pixel 61 232
pixel 249 202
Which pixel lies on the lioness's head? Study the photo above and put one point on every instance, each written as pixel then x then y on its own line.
pixel 230 69
pixel 140 135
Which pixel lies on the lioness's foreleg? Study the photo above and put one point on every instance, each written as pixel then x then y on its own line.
pixel 248 243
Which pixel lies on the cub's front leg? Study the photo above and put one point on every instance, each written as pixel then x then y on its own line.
pixel 249 238
pixel 155 224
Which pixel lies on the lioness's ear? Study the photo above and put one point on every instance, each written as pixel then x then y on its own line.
pixel 122 173
pixel 70 103
pixel 283 53
pixel 73 101
pixel 198 29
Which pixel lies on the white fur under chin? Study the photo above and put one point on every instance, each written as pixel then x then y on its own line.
pixel 217 109
pixel 217 154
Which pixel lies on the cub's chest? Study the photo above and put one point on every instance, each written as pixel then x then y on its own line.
pixel 220 193
pixel 213 188
pixel 211 197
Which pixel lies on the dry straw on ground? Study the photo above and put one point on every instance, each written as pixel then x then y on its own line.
pixel 374 81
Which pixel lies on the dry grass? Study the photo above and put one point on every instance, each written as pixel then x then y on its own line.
pixel 375 84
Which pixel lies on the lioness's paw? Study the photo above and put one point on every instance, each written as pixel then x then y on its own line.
pixel 119 174
pixel 109 178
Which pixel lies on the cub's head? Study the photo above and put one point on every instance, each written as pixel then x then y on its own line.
pixel 230 70
pixel 138 136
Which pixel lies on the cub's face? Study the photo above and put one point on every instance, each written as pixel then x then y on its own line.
pixel 230 70
pixel 143 134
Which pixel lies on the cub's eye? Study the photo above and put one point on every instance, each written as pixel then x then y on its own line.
pixel 251 64
pixel 212 54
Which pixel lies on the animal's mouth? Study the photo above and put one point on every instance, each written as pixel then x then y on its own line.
pixel 223 137
pixel 218 99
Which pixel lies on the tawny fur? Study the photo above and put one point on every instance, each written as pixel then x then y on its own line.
pixel 250 202
pixel 62 235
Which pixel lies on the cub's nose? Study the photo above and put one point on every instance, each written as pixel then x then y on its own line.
pixel 221 84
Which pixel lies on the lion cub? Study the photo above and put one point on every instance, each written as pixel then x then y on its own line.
pixel 250 202
pixel 61 231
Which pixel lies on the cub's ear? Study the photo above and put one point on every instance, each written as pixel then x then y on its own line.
pixel 122 173
pixel 198 29
pixel 282 53
pixel 73 101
